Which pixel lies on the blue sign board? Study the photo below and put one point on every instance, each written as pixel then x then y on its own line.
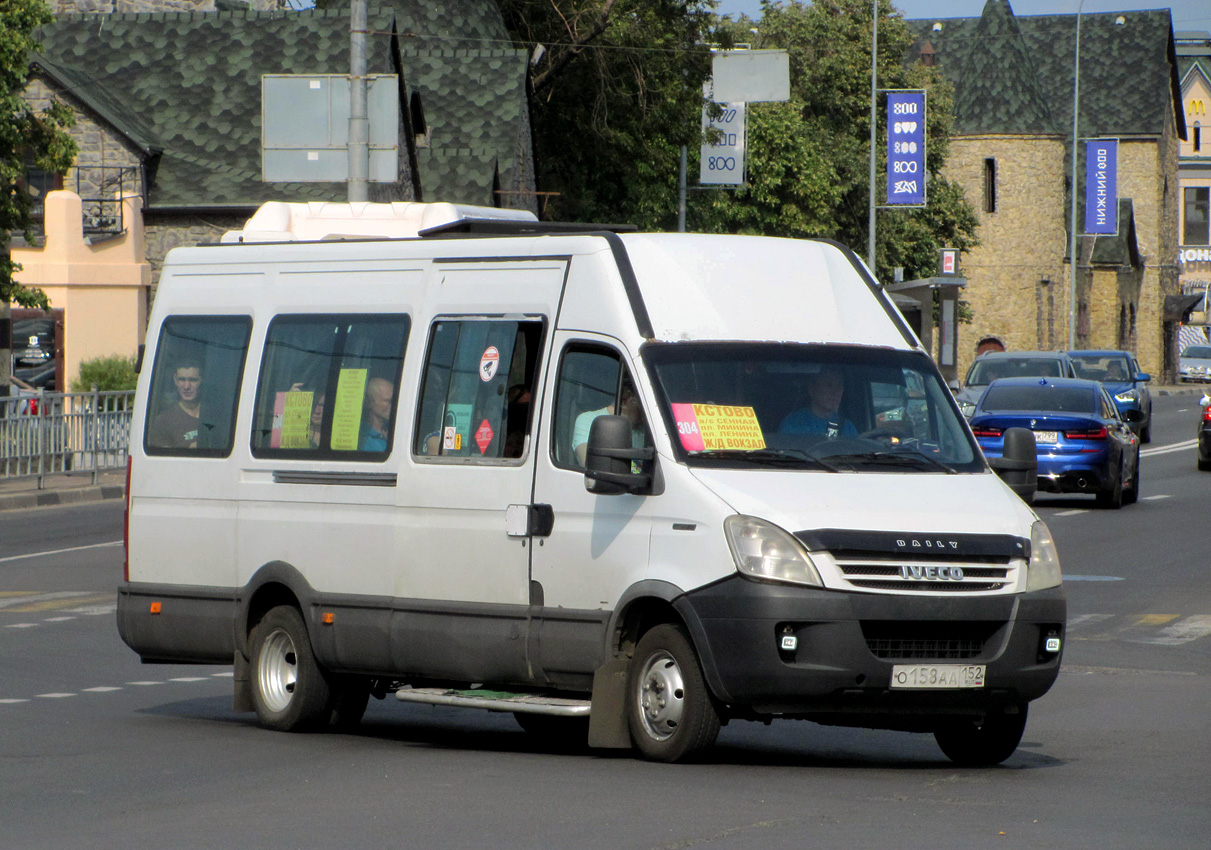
pixel 906 148
pixel 1101 187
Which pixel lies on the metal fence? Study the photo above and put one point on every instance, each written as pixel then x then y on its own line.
pixel 64 433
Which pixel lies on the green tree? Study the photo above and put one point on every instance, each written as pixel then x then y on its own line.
pixel 615 93
pixel 27 138
pixel 808 158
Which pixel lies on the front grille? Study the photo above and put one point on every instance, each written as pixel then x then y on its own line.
pixel 885 576
pixel 948 641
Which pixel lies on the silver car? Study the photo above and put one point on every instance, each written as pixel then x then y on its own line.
pixel 1194 364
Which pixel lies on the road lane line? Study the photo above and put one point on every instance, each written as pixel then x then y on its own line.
pixel 1073 512
pixel 144 684
pixel 103 689
pixel 58 551
pixel 1172 447
pixel 1156 498
pixel 35 597
pixel 53 696
pixel 12 701
pixel 1184 631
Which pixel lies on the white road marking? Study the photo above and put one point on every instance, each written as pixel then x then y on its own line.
pixel 1073 512
pixel 103 689
pixel 58 619
pixel 1183 631
pixel 12 701
pixel 58 551
pixel 33 598
pixel 53 696
pixel 21 625
pixel 1156 498
pixel 1092 578
pixel 1087 620
pixel 1172 447
pixel 144 684
pixel 190 679
pixel 229 674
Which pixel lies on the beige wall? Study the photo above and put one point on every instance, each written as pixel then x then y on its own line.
pixel 1022 243
pixel 1195 171
pixel 102 288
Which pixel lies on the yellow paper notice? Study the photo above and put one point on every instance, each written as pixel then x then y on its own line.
pixel 347 412
pixel 296 421
pixel 726 427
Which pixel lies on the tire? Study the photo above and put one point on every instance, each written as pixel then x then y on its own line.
pixel 1146 430
pixel 289 690
pixel 349 697
pixel 1113 498
pixel 1132 494
pixel 1204 465
pixel 670 712
pixel 561 733
pixel 985 743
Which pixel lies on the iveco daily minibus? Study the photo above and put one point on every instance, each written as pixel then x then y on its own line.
pixel 626 486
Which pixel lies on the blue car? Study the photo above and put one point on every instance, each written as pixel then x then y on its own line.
pixel 1120 373
pixel 1084 444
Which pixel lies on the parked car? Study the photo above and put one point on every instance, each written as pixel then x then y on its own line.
pixel 1010 364
pixel 1194 363
pixel 1084 444
pixel 1119 372
pixel 1204 434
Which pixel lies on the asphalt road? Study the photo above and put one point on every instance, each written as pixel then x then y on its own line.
pixel 99 751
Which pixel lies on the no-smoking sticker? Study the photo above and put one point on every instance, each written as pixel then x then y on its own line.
pixel 488 361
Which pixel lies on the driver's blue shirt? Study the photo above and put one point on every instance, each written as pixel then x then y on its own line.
pixel 803 421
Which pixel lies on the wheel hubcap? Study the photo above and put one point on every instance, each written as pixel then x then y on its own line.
pixel 661 696
pixel 277 671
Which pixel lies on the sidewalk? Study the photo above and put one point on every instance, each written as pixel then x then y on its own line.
pixel 66 489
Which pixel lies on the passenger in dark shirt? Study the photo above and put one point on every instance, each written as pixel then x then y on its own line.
pixel 178 426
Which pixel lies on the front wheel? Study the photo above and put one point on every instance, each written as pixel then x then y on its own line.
pixel 669 710
pixel 983 743
pixel 289 689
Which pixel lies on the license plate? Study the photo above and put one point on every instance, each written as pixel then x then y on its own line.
pixel 1046 436
pixel 937 676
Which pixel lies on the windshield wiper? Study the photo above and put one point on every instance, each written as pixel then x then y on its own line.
pixel 908 458
pixel 769 457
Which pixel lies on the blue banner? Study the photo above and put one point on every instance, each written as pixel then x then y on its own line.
pixel 906 148
pixel 1101 187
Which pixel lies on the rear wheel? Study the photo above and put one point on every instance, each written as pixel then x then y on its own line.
pixel 289 689
pixel 1113 497
pixel 983 743
pixel 669 710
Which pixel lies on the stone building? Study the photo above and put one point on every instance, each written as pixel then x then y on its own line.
pixel 1194 164
pixel 1011 151
pixel 168 107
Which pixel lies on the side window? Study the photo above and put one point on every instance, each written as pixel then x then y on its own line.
pixel 195 385
pixel 327 387
pixel 1109 411
pixel 592 382
pixel 476 400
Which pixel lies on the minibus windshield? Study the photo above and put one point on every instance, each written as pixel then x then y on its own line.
pixel 819 408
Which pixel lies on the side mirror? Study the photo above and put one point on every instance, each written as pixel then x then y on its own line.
pixel 1142 378
pixel 608 457
pixel 1018 465
pixel 1132 415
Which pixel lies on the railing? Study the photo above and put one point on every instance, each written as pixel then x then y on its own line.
pixel 64 433
pixel 101 189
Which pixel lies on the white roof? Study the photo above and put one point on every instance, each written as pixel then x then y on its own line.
pixel 277 221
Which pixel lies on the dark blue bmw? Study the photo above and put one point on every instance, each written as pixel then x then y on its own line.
pixel 1084 444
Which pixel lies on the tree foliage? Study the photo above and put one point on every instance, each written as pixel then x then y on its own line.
pixel 616 92
pixel 27 138
pixel 808 158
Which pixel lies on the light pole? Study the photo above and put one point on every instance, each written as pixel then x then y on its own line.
pixel 1076 102
pixel 874 94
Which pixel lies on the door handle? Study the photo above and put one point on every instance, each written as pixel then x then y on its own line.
pixel 529 520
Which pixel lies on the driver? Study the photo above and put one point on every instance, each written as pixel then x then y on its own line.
pixel 822 415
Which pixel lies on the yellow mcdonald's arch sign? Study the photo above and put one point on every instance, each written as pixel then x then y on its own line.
pixel 1197 107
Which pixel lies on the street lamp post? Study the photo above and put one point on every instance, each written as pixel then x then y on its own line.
pixel 1076 100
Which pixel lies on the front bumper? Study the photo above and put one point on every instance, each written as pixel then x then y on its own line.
pixel 848 643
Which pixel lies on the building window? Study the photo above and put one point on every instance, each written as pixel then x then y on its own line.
pixel 990 185
pixel 1197 216
pixel 1198 137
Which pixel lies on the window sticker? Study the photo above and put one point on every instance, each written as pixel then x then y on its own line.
pixel 714 427
pixel 456 430
pixel 291 421
pixel 483 436
pixel 347 412
pixel 489 361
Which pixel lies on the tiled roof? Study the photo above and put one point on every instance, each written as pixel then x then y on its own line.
pixel 1009 79
pixel 189 85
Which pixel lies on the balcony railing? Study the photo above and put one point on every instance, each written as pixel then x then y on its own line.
pixel 100 188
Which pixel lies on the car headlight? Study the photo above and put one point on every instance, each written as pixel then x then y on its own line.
pixel 1128 396
pixel 763 550
pixel 1044 568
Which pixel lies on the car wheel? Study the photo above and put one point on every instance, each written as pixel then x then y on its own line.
pixel 289 690
pixel 670 712
pixel 1204 465
pixel 1131 494
pixel 983 743
pixel 1113 497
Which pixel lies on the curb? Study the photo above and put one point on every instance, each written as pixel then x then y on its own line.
pixel 66 496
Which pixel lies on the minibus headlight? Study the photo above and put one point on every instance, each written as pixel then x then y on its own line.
pixel 763 550
pixel 1044 568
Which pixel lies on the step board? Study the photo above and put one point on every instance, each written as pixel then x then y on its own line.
pixel 497 701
